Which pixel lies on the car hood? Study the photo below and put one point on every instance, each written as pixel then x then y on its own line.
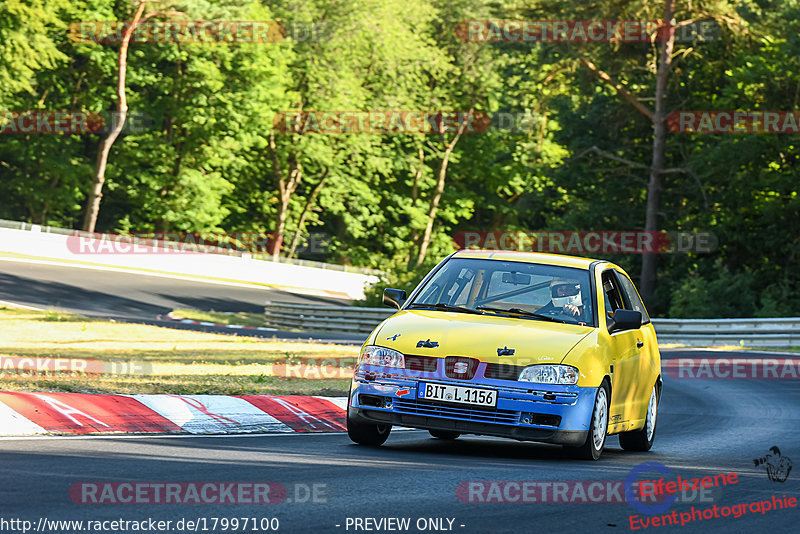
pixel 479 336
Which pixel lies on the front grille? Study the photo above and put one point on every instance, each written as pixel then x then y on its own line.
pixel 460 367
pixel 421 363
pixel 470 413
pixel 503 371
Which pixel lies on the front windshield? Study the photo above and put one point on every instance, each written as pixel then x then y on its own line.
pixel 527 291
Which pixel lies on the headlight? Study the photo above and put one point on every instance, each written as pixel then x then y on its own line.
pixel 550 374
pixel 372 355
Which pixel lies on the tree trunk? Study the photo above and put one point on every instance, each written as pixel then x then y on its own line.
pixel 302 220
pixel 649 260
pixel 286 188
pixel 437 194
pixel 99 178
pixel 280 229
pixel 413 236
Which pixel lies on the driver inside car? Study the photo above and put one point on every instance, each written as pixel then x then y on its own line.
pixel 565 299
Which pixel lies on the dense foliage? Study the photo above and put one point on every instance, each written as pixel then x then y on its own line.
pixel 209 159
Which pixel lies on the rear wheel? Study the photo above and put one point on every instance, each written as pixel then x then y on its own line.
pixel 444 434
pixel 642 439
pixel 598 428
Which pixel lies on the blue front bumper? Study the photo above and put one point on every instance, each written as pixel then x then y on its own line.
pixel 524 411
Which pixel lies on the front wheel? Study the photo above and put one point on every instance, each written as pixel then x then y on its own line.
pixel 598 428
pixel 642 439
pixel 368 434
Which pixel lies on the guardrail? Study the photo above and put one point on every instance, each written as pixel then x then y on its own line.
pixel 773 332
pixel 29 227
pixel 38 228
pixel 309 317
pixel 156 257
pixel 777 332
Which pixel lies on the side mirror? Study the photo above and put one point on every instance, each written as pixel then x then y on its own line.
pixel 394 297
pixel 624 320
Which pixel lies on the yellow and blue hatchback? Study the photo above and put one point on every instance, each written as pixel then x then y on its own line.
pixel 534 347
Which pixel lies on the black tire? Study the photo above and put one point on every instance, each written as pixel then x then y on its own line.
pixel 590 450
pixel 368 434
pixel 638 440
pixel 444 434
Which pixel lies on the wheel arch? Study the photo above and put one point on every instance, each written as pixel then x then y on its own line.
pixel 659 387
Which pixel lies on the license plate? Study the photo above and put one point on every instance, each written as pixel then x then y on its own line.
pixel 458 394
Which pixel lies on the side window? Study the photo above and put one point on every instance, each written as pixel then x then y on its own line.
pixel 613 297
pixel 633 297
pixel 608 303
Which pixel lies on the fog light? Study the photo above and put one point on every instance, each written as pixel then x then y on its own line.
pixel 373 401
pixel 544 419
pixel 526 418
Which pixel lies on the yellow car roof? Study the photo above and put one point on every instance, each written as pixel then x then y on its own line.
pixel 528 257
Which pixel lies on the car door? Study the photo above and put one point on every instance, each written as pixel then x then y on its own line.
pixel 648 361
pixel 624 354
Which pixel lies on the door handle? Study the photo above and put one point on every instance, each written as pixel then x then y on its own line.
pixel 639 344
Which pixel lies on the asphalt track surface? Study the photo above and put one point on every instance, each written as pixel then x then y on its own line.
pixel 141 298
pixel 705 427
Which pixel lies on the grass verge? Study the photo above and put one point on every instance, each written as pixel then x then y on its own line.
pixel 159 360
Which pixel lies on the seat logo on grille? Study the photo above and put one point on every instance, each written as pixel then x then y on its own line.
pixel 460 367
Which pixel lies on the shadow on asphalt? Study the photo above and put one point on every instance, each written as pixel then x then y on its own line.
pixel 414 448
pixel 73 298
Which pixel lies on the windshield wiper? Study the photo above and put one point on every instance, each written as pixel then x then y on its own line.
pixel 445 307
pixel 520 311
